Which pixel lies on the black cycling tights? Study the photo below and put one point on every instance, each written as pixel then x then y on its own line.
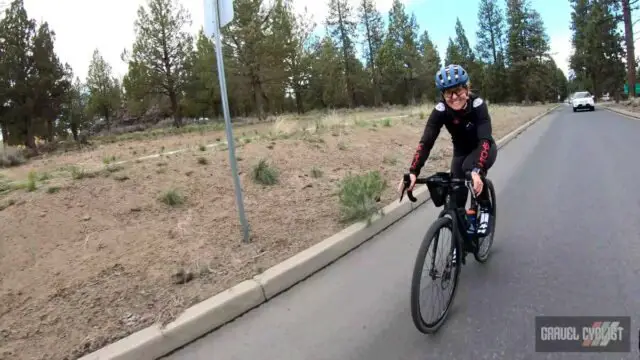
pixel 460 164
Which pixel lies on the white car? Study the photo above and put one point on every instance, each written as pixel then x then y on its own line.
pixel 582 100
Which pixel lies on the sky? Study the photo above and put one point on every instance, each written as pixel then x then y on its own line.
pixel 84 25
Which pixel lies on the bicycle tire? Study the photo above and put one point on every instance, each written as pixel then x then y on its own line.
pixel 416 313
pixel 482 258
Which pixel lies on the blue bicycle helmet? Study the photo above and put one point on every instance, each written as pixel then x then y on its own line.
pixel 451 76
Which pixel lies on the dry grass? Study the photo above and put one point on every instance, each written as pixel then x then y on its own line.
pixel 93 250
pixel 129 147
pixel 632 105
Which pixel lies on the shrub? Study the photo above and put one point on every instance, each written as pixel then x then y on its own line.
pixel 108 159
pixel 11 156
pixel 359 194
pixel 172 197
pixel 264 174
pixel 32 181
pixel 203 160
pixel 316 173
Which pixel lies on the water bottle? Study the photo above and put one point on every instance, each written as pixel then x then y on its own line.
pixel 471 221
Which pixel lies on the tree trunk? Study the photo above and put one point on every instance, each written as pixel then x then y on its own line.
pixel 257 97
pixel 345 53
pixel 628 39
pixel 374 69
pixel 74 131
pixel 177 120
pixel 50 130
pixel 5 133
pixel 30 140
pixel 299 103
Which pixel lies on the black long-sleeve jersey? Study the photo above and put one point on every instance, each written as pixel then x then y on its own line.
pixel 469 129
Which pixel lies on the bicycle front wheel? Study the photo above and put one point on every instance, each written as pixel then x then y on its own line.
pixel 425 272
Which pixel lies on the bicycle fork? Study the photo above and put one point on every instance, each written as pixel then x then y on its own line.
pixel 446 273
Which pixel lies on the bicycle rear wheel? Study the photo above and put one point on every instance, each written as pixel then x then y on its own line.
pixel 485 242
pixel 446 279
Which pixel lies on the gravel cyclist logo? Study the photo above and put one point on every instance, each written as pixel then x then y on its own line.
pixel 601 333
pixel 583 334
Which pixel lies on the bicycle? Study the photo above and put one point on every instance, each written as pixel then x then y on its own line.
pixel 440 186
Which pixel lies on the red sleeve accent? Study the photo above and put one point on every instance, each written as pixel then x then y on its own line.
pixel 484 154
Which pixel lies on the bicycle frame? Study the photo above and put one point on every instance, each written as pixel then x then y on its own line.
pixel 457 214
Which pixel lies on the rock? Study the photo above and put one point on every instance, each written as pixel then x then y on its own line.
pixel 86 218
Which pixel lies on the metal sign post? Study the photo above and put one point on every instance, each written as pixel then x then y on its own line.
pixel 222 11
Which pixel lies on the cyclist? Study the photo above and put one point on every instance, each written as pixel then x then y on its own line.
pixel 466 117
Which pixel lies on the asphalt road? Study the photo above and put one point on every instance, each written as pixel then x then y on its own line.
pixel 567 243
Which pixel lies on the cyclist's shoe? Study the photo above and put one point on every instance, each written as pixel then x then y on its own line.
pixel 483 222
pixel 454 257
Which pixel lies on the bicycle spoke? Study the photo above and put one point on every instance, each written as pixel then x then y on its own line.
pixel 444 276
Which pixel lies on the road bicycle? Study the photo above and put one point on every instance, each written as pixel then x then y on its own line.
pixel 441 187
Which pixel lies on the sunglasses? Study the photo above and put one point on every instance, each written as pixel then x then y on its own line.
pixel 458 92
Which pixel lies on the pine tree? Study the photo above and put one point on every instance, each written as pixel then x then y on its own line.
pixel 597 59
pixel 527 52
pixel 342 27
pixel 399 58
pixel 162 47
pixel 490 49
pixel 104 98
pixel 39 82
pixel 202 87
pixel 453 54
pixel 372 27
pixel 248 56
pixel 431 64
pixel 490 34
pixel 462 44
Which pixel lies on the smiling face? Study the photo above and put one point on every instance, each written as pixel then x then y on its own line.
pixel 457 97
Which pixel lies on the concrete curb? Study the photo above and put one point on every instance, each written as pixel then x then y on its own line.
pixel 623 112
pixel 156 341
